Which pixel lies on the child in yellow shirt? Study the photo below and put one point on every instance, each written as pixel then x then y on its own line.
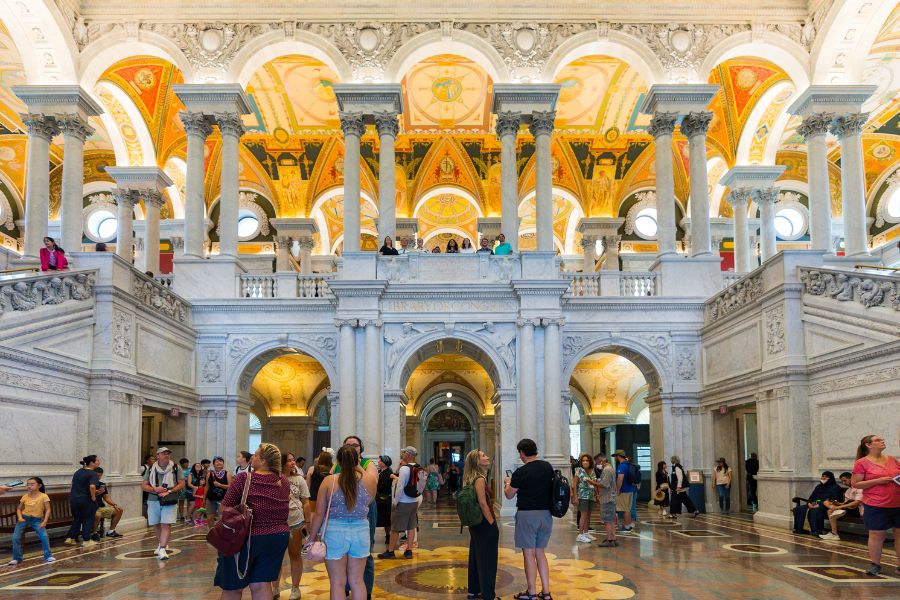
pixel 33 511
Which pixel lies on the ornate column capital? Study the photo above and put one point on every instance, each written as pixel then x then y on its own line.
pixel 696 123
pixel 767 195
pixel 306 244
pixel 39 125
pixel 230 123
pixel 548 322
pixel 739 197
pixel 74 126
pixel 852 124
pixel 815 124
pixel 282 241
pixel 346 322
pixel 195 124
pixel 352 123
pixel 386 124
pixel 154 197
pixel 125 196
pixel 588 241
pixel 542 122
pixel 662 123
pixel 372 323
pixel 527 322
pixel 508 123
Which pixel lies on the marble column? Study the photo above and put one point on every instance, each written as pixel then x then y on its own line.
pixel 527 409
pixel 353 127
pixel 347 376
pixel 197 129
pixel 388 128
pixel 508 130
pixel 848 129
pixel 306 248
pixel 814 128
pixel 766 197
pixel 125 199
pixel 282 251
pixel 153 202
pixel 694 126
pixel 75 131
pixel 542 129
pixel 394 419
pixel 661 128
pixel 611 247
pixel 41 129
pixel 738 198
pixel 554 451
pixel 589 251
pixel 232 128
pixel 373 423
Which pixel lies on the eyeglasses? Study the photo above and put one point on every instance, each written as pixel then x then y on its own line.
pixel 353 445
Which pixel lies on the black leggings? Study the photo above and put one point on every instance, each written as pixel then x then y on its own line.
pixel 484 540
pixel 83 511
pixel 680 498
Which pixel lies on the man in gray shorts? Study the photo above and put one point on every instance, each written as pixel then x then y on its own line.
pixel 607 501
pixel 404 516
pixel 532 486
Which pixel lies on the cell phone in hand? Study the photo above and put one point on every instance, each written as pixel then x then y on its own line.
pixel 13 484
pixel 508 473
pixel 896 480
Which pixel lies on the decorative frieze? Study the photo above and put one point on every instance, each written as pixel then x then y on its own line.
pixel 856 381
pixel 775 335
pixel 159 298
pixel 32 292
pixel 123 325
pixel 869 290
pixel 743 292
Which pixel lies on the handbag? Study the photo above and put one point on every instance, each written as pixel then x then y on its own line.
pixel 170 498
pixel 232 530
pixel 316 550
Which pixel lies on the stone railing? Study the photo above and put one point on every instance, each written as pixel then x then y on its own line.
pixel 159 298
pixel 449 267
pixel 28 292
pixel 612 283
pixel 739 294
pixel 869 289
pixel 257 285
pixel 314 285
pixel 729 278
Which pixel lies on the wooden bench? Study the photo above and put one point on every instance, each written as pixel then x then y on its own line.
pixel 60 512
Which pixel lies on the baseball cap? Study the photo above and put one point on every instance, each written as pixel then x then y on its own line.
pixel 621 453
pixel 410 450
pixel 163 450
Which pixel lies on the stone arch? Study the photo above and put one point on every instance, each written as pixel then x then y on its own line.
pixel 321 347
pixel 461 43
pixel 434 403
pixel 648 360
pixel 135 121
pixel 618 45
pixel 272 45
pixel 844 39
pixel 115 46
pixel 742 151
pixel 470 344
pixel 45 46
pixel 779 50
pixel 447 189
pixel 567 244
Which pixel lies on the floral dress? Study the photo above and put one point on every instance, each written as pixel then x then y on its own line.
pixel 433 482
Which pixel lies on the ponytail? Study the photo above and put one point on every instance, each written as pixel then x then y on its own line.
pixel 863 449
pixel 88 460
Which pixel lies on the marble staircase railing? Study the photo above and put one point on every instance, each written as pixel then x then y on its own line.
pixel 158 297
pixel 729 277
pixel 164 280
pixel 284 285
pixel 314 285
pixel 257 285
pixel 449 267
pixel 612 283
pixel 31 291
pixel 870 289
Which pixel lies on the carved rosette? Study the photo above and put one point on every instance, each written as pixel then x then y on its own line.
pixel 196 124
pixel 74 126
pixel 815 124
pixel 508 123
pixel 386 123
pixel 696 123
pixel 542 122
pixel 662 123
pixel 352 123
pixel 42 126
pixel 845 125
pixel 230 124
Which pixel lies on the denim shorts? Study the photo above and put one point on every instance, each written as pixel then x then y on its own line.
pixel 157 514
pixel 880 518
pixel 347 536
pixel 608 512
pixel 533 528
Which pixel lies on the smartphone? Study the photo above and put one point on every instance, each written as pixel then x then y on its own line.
pixel 508 473
pixel 896 480
pixel 15 483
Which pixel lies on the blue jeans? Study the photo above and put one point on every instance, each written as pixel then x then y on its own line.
pixel 369 573
pixel 34 523
pixel 816 517
pixel 634 505
pixel 724 495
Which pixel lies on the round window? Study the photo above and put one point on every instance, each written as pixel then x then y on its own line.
pixel 102 226
pixel 248 227
pixel 789 223
pixel 893 205
pixel 645 223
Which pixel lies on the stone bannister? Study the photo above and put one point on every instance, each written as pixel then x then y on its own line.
pixel 284 285
pixel 870 289
pixel 28 292
pixel 159 298
pixel 613 283
pixel 426 267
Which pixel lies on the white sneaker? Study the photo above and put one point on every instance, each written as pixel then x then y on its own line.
pixel 12 563
pixel 591 536
pixel 89 544
pixel 583 539
pixel 161 554
pixel 839 513
pixel 295 594
pixel 49 560
pixel 830 537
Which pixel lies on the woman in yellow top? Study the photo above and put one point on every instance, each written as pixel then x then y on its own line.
pixel 33 511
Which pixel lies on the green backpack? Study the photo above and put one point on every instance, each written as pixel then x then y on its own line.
pixel 467 507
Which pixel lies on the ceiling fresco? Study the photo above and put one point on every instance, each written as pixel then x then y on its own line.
pixel 446 92
pixel 609 383
pixel 288 384
pixel 291 95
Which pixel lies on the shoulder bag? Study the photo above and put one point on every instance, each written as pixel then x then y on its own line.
pixel 316 550
pixel 232 530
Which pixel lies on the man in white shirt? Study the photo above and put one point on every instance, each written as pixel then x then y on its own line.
pixel 404 516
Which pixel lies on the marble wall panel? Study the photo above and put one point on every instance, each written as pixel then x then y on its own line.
pixel 736 353
pixel 167 358
pixel 38 435
pixel 844 422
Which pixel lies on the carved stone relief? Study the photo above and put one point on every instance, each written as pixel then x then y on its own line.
pixel 686 363
pixel 123 323
pixel 211 371
pixel 775 337
pixel 870 290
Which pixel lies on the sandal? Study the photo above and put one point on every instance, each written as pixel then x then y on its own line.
pixel 525 596
pixel 545 596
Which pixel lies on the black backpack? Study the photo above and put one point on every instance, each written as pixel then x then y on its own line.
pixel 416 484
pixel 562 495
pixel 634 474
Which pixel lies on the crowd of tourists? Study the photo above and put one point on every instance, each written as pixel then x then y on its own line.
pixel 497 246
pixel 331 510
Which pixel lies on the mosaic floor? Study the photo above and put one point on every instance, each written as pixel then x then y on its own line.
pixel 703 558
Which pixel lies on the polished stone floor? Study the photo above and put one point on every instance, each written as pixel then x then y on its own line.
pixel 708 557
